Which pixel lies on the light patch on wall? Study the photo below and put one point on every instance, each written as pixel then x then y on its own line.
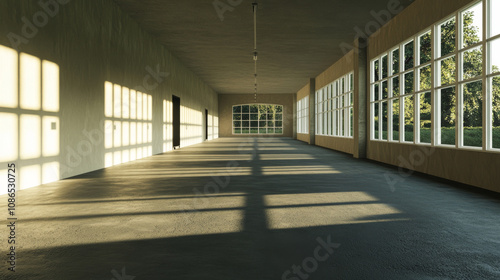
pixel 30 81
pixel 167 126
pixel 8 78
pixel 50 172
pixel 50 90
pixel 108 99
pixel 191 126
pixel 30 136
pixel 128 125
pixel 108 134
pixel 29 106
pixel 50 134
pixel 29 176
pixel 117 98
pixel 8 137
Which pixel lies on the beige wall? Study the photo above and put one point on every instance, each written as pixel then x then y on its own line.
pixel 343 66
pixel 475 168
pixel 93 42
pixel 226 102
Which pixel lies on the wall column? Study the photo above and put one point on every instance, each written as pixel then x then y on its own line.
pixel 360 98
pixel 312 112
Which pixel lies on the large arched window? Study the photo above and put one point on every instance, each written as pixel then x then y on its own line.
pixel 258 119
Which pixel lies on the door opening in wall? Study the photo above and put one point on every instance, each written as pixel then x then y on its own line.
pixel 176 121
pixel 206 124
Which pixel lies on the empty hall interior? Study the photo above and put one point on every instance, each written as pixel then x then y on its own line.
pixel 234 139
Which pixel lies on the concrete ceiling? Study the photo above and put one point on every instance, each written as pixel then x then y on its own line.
pixel 297 39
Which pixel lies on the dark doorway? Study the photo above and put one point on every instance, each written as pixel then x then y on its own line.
pixel 206 124
pixel 176 121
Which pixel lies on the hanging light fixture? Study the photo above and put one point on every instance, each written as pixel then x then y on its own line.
pixel 255 53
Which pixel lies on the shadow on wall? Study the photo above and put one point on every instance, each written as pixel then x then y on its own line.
pixel 29 114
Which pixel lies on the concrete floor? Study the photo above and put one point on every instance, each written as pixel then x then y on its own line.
pixel 252 209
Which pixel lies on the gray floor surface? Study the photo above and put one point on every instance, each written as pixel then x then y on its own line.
pixel 256 208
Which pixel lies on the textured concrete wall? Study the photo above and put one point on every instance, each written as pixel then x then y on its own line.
pixel 345 145
pixel 343 66
pixel 226 102
pixel 93 42
pixel 303 137
pixel 475 168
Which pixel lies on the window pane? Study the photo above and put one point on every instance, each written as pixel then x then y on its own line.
pixel 385 90
pixel 254 108
pixel 351 123
pixel 395 120
pixel 262 123
pixel 254 117
pixel 448 37
pixel 245 131
pixel 376 120
pixel 409 77
pixel 409 53
pixel 385 66
pixel 472 25
pixel 409 120
pixel 425 48
pixel 376 70
pixel 270 130
pixel 448 69
pixel 495 98
pixel 278 131
pixel 473 114
pixel 472 63
pixel 245 117
pixel 262 130
pixel 237 117
pixel 237 124
pixel 351 87
pixel 245 124
pixel 236 109
pixel 384 120
pixel 448 115
pixel 425 78
pixel 395 86
pixel 375 93
pixel 494 56
pixel 425 117
pixel 494 19
pixel 395 62
pixel 246 108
